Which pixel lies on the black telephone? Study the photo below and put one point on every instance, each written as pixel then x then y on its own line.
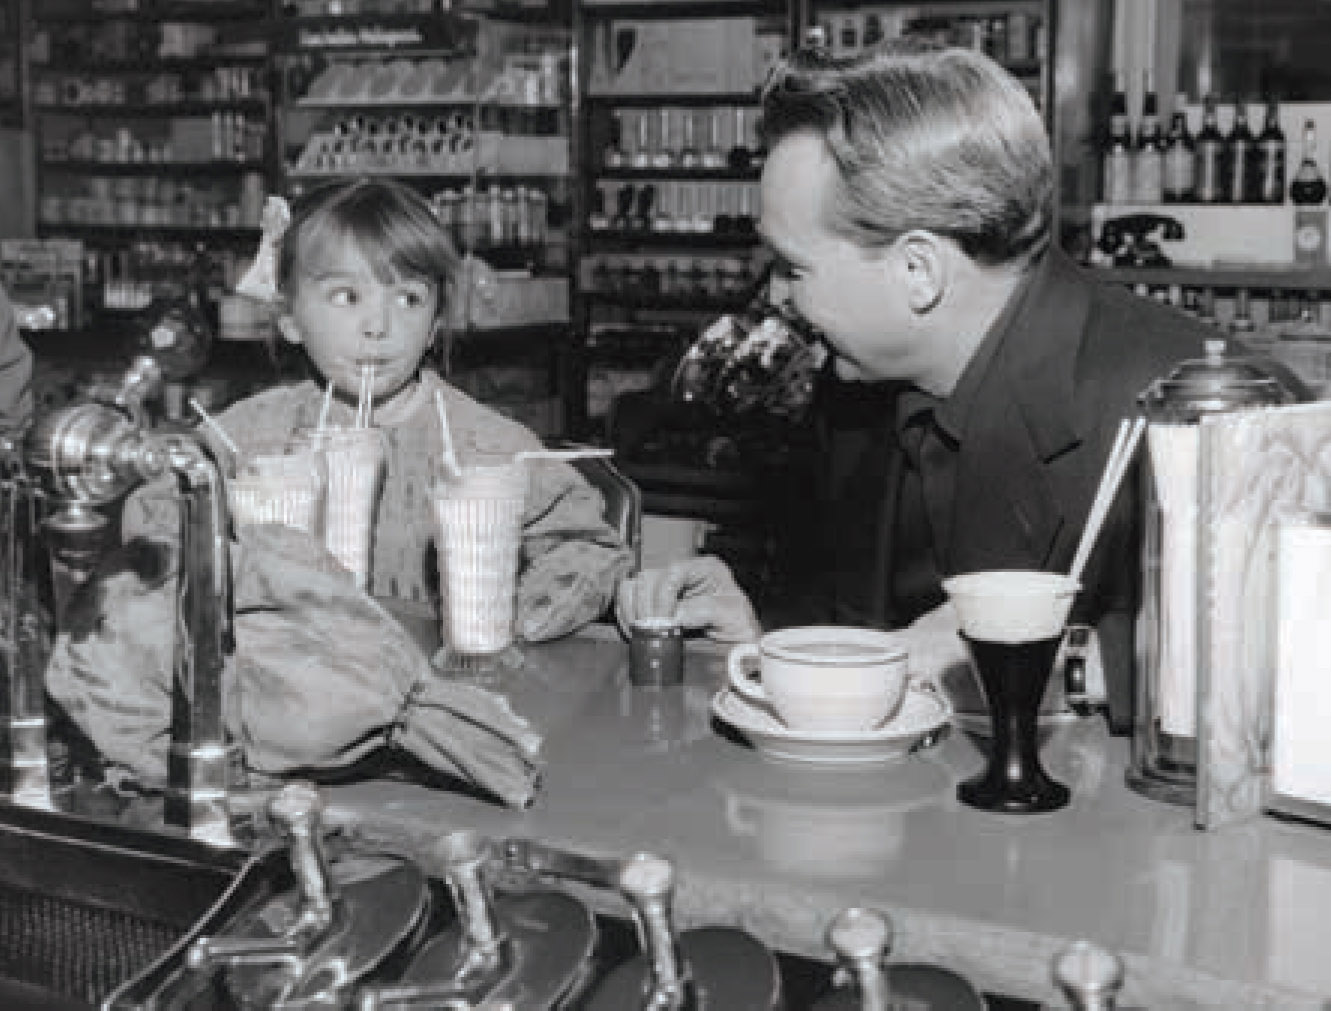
pixel 1128 239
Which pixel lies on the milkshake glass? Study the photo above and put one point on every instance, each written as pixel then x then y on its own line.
pixel 354 465
pixel 478 527
pixel 279 486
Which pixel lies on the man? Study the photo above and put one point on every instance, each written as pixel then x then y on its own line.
pixel 980 374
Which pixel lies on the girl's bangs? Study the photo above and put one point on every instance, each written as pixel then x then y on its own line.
pixel 395 246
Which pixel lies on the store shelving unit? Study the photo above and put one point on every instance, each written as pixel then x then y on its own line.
pixel 154 134
pixel 666 211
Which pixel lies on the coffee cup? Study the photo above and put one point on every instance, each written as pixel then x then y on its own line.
pixel 824 678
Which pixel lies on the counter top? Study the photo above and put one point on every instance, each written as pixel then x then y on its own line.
pixel 1233 918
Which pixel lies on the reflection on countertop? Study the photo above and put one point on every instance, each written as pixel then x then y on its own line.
pixel 1236 918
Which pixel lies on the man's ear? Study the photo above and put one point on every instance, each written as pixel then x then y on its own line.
pixel 926 266
pixel 290 331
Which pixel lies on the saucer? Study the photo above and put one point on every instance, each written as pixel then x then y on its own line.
pixel 923 714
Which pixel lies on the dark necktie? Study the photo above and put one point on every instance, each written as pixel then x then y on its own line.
pixel 914 574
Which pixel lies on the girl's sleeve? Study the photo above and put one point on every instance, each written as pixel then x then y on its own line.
pixel 572 558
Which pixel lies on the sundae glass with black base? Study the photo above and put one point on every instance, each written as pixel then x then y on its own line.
pixel 1012 622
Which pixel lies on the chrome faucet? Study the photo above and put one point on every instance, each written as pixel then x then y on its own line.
pixel 86 455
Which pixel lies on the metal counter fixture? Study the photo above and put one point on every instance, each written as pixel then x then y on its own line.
pixel 24 772
pixel 84 456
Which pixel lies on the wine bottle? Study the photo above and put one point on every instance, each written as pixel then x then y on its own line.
pixel 1239 157
pixel 1177 184
pixel 1308 188
pixel 1270 174
pixel 1209 149
pixel 1117 163
pixel 1149 151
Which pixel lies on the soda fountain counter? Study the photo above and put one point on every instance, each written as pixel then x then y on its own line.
pixel 1233 918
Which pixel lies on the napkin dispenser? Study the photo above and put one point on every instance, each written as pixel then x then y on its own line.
pixel 1301 783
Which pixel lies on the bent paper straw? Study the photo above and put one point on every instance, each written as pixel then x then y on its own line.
pixel 1121 454
pixel 324 408
pixel 450 457
pixel 217 429
pixel 365 404
pixel 584 453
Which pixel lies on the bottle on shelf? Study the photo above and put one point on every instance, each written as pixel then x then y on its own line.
pixel 1242 324
pixel 740 156
pixel 690 157
pixel 1308 188
pixel 1239 160
pixel 1117 164
pixel 1270 176
pixel 1209 148
pixel 1149 151
pixel 1178 167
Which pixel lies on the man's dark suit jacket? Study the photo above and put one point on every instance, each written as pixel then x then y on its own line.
pixel 1069 366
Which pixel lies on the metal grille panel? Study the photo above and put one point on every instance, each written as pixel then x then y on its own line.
pixel 73 949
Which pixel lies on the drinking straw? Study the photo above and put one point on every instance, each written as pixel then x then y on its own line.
pixel 582 453
pixel 450 457
pixel 218 430
pixel 324 408
pixel 365 400
pixel 1121 453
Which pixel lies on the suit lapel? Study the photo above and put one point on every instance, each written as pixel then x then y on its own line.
pixel 1024 418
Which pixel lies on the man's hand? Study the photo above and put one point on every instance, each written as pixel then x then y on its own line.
pixel 697 592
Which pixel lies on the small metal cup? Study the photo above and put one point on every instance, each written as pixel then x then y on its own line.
pixel 656 653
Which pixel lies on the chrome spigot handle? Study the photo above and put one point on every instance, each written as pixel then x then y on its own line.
pixel 648 882
pixel 297 811
pixel 141 381
pixel 861 939
pixel 1089 976
pixel 464 855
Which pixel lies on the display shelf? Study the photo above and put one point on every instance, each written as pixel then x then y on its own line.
pixel 689 99
pixel 683 8
pixel 1310 278
pixel 481 175
pixel 64 13
pixel 153 110
pixel 147 116
pixel 218 167
pixel 675 303
pixel 627 174
pixel 618 240
pixel 184 233
pixel 146 65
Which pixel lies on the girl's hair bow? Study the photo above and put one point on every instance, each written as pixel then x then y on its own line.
pixel 260 279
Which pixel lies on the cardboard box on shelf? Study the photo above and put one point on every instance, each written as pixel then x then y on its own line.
pixel 514 298
pixel 702 56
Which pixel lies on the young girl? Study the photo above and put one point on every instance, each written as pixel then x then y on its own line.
pixel 321 674
pixel 361 276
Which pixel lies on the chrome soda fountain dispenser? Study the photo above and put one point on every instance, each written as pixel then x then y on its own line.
pixel 89 454
pixel 1163 760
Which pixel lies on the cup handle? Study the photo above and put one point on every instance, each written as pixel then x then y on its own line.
pixel 741 683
